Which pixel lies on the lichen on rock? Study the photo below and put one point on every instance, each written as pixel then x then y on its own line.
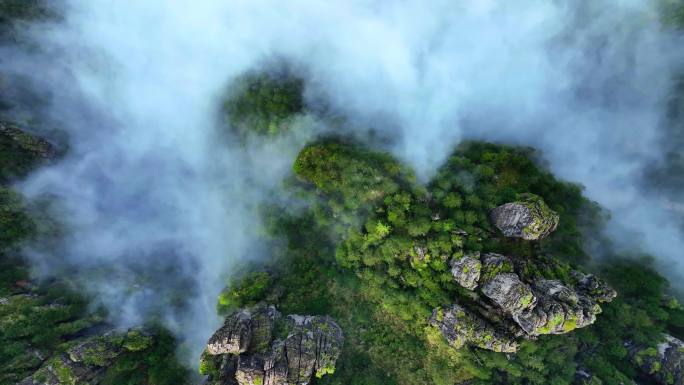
pixel 311 347
pixel 466 270
pixel 528 218
pixel 520 302
pixel 460 327
pixel 86 361
pixel 663 363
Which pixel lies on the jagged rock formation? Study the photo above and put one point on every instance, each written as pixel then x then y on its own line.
pixel 535 305
pixel 233 337
pixel 664 363
pixel 86 361
pixel 529 218
pixel 459 327
pixel 514 299
pixel 245 349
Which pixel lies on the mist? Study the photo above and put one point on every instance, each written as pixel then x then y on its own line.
pixel 150 188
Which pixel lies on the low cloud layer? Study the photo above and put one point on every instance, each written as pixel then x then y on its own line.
pixel 147 186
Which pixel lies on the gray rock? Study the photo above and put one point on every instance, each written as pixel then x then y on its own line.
pixel 511 294
pixel 86 361
pixel 664 363
pixel 311 347
pixel 528 218
pixel 234 336
pixel 594 287
pixel 466 270
pixel 460 327
pixel 559 310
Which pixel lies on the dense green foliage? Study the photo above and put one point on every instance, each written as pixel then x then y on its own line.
pixel 372 248
pixel 263 104
pixel 38 320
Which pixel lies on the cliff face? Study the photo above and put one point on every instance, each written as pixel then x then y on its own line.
pixel 256 346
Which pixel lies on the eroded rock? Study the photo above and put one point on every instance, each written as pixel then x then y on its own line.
pixel 559 310
pixel 519 301
pixel 466 270
pixel 311 346
pixel 511 294
pixel 664 363
pixel 87 360
pixel 461 327
pixel 234 336
pixel 528 218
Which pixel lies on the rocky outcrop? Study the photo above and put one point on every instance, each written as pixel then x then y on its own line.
pixel 528 218
pixel 461 327
pixel 466 270
pixel 592 286
pixel 559 310
pixel 664 363
pixel 86 361
pixel 245 349
pixel 509 293
pixel 519 301
pixel 234 336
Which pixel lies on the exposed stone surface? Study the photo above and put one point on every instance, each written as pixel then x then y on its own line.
pixel 559 310
pixel 466 270
pixel 86 361
pixel 513 296
pixel 592 286
pixel 459 327
pixel 528 218
pixel 234 336
pixel 311 346
pixel 95 351
pixel 664 363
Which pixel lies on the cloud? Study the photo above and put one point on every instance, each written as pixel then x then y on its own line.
pixel 149 191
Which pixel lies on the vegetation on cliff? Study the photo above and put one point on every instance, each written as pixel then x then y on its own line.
pixel 372 250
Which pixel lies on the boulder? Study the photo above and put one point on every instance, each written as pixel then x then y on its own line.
pixel 528 218
pixel 511 294
pixel 466 270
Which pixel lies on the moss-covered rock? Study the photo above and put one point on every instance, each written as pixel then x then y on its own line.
pixel 466 270
pixel 663 363
pixel 460 327
pixel 528 218
pixel 310 347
